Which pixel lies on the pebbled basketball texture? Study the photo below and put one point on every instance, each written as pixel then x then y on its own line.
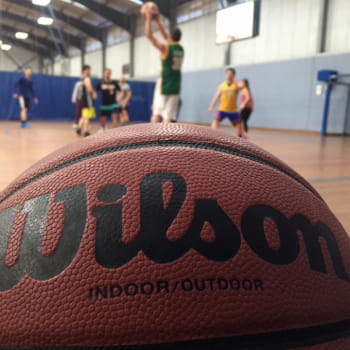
pixel 170 237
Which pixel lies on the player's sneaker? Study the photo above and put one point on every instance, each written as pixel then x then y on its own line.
pixel 25 125
pixel 103 129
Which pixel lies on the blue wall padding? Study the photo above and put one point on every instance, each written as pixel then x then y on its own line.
pixel 55 95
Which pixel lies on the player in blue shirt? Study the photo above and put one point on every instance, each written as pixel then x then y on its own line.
pixel 24 92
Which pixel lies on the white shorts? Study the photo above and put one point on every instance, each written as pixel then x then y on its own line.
pixel 166 106
pixel 24 102
pixel 157 99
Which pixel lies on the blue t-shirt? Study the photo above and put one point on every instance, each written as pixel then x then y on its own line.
pixel 24 87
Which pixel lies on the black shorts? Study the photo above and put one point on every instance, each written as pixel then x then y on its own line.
pixel 121 109
pixel 108 113
pixel 24 102
pixel 171 121
pixel 245 113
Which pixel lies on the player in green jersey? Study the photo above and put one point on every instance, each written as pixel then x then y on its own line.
pixel 172 55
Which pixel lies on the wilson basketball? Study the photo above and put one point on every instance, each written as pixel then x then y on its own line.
pixel 170 237
pixel 150 7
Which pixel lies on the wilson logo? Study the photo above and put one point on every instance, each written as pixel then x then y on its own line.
pixel 156 218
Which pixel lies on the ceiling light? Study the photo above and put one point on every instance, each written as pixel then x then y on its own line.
pixel 76 4
pixel 21 35
pixel 138 2
pixel 6 47
pixel 45 21
pixel 41 2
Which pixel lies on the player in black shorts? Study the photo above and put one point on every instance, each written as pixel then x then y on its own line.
pixel 109 107
pixel 24 92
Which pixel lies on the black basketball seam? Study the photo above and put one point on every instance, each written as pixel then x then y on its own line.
pixel 161 143
pixel 279 340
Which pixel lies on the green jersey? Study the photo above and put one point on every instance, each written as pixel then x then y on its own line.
pixel 171 69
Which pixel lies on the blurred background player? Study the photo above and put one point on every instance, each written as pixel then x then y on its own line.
pixel 76 98
pixel 24 92
pixel 124 100
pixel 88 110
pixel 247 104
pixel 227 94
pixel 109 107
pixel 167 97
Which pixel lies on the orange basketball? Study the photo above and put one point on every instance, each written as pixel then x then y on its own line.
pixel 170 237
pixel 150 7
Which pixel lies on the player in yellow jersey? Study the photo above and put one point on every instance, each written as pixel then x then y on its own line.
pixel 228 108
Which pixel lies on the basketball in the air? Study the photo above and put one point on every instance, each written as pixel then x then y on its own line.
pixel 170 237
pixel 150 8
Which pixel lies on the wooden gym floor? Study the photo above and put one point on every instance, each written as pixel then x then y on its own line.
pixel 323 162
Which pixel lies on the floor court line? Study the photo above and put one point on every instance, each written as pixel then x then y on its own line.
pixel 330 179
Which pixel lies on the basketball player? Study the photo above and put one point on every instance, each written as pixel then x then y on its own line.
pixel 247 104
pixel 172 55
pixel 24 92
pixel 109 107
pixel 227 94
pixel 88 111
pixel 124 100
pixel 76 99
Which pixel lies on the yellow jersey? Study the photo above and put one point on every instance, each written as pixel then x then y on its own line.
pixel 229 94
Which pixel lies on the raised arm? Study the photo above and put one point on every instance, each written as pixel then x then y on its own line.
pixel 16 93
pixel 162 30
pixel 127 98
pixel 149 34
pixel 215 100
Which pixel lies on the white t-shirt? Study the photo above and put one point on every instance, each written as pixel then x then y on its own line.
pixel 125 88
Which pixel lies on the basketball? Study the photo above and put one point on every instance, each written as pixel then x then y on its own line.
pixel 166 237
pixel 150 7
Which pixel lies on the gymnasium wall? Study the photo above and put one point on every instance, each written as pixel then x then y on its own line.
pixel 95 60
pixel 284 93
pixel 75 66
pixel 17 57
pixel 117 56
pixel 199 37
pixel 147 61
pixel 288 29
pixel 338 26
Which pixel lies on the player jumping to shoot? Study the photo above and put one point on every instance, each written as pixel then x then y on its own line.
pixel 227 94
pixel 172 55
